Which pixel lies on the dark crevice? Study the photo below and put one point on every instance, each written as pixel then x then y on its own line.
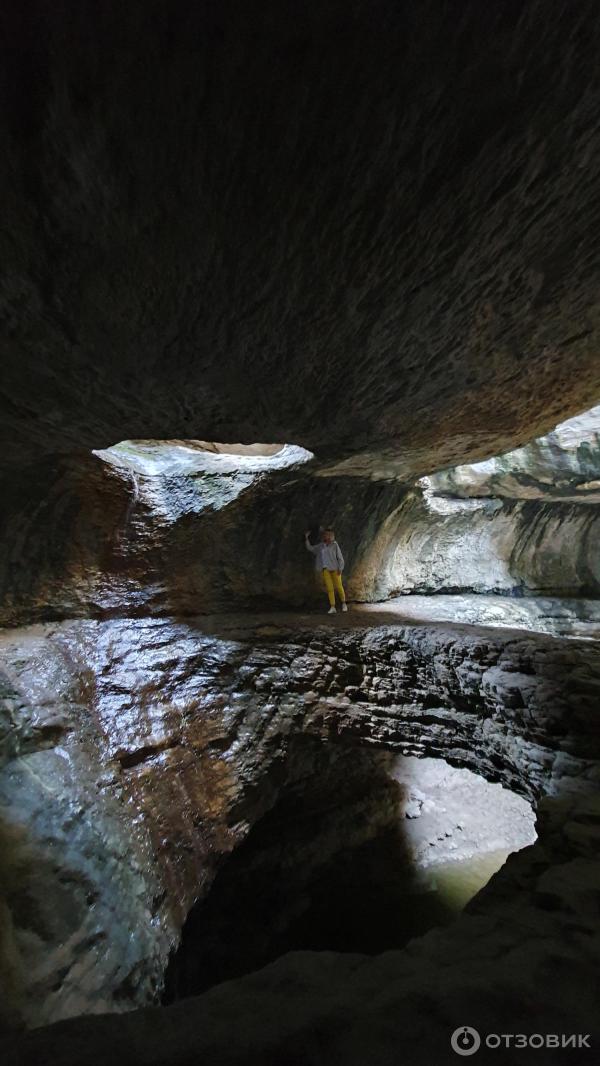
pixel 330 867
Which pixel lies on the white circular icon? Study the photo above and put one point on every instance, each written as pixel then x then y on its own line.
pixel 465 1040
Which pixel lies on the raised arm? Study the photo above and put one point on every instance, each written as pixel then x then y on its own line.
pixel 312 548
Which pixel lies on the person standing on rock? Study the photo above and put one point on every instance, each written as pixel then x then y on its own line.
pixel 329 562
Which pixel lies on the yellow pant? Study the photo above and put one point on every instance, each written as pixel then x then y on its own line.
pixel 333 583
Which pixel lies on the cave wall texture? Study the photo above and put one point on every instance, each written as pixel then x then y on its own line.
pixel 159 528
pixel 523 523
pixel 367 228
pixel 563 465
pixel 371 230
pixel 83 537
pixel 137 753
pixel 512 547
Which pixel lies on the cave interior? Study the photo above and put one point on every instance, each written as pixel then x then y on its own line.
pixel 269 271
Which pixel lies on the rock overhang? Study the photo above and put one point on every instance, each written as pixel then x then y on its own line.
pixel 369 229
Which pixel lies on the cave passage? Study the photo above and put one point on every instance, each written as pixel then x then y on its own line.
pixel 363 855
pixel 366 238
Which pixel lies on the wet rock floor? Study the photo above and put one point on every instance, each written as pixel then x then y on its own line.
pixel 142 753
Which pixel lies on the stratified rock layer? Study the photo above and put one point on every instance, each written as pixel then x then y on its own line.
pixel 83 536
pixel 170 740
pixel 367 228
pixel 163 528
pixel 431 544
pixel 562 466
pixel 404 842
pixel 522 960
pixel 526 522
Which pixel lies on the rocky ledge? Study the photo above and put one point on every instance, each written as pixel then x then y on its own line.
pixel 138 753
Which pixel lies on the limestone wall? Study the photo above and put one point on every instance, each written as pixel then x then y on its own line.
pixel 436 544
pixel 137 753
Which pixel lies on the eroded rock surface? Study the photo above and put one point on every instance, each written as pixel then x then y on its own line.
pixel 371 230
pixel 168 529
pixel 431 544
pixel 522 959
pixel 557 617
pixel 164 527
pixel 563 465
pixel 173 737
pixel 403 842
pixel 524 523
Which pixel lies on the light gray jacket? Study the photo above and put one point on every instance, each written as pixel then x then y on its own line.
pixel 327 556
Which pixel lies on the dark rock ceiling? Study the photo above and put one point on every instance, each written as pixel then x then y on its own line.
pixel 363 227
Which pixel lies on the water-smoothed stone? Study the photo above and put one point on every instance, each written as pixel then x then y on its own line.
pixel 520 960
pixel 431 545
pixel 522 523
pixel 179 741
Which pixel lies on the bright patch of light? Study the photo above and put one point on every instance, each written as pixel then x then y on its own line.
pixel 177 458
